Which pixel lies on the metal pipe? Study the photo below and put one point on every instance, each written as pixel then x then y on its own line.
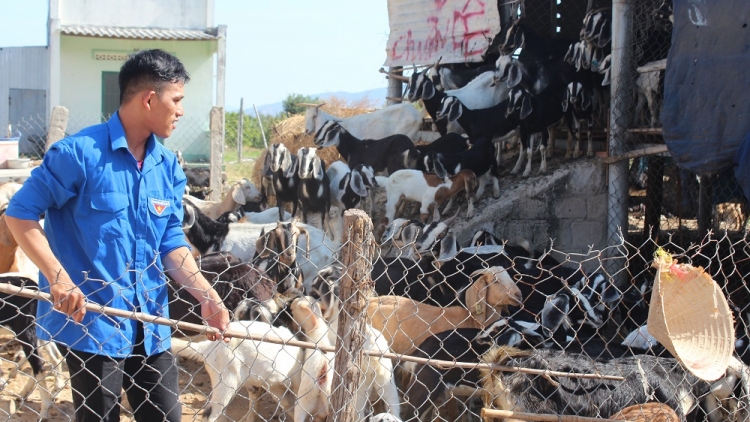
pixel 620 88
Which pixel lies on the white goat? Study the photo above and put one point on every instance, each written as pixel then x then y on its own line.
pixel 395 119
pixel 249 363
pixel 425 188
pixel 317 374
pixel 239 194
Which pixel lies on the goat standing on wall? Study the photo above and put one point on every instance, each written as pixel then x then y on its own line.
pixel 313 191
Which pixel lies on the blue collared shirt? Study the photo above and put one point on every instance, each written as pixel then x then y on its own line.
pixel 108 223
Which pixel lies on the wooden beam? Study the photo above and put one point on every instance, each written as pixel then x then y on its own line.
pixel 658 149
pixel 492 413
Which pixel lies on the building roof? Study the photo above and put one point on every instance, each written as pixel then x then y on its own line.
pixel 140 33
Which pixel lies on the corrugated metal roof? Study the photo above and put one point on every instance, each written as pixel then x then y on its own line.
pixel 139 33
pixel 424 30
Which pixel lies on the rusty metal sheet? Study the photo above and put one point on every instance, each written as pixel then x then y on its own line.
pixel 422 31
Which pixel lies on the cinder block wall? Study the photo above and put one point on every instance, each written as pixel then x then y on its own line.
pixel 568 205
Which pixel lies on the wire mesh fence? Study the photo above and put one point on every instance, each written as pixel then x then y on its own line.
pixel 440 320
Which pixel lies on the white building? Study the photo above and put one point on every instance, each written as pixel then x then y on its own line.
pixel 87 43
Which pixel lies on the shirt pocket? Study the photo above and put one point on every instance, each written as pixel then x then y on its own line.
pixel 160 208
pixel 109 215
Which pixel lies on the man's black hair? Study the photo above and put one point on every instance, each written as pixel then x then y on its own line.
pixel 150 69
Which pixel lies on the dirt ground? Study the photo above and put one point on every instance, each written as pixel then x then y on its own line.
pixel 195 386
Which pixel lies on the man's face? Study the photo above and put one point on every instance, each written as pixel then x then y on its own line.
pixel 166 109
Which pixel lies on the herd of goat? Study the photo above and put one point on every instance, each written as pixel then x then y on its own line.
pixel 488 301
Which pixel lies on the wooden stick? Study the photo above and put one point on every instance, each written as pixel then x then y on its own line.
pixel 399 99
pixel 10 289
pixel 394 76
pixel 658 149
pixel 493 413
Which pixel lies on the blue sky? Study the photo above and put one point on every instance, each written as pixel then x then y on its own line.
pixel 274 48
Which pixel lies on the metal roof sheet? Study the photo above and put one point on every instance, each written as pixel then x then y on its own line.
pixel 424 30
pixel 140 33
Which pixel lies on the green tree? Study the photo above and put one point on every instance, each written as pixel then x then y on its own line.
pixel 251 134
pixel 291 101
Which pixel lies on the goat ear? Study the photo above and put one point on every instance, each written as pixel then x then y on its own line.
pixel 288 164
pixel 456 110
pixel 605 33
pixel 439 169
pixel 435 214
pixel 448 247
pixel 267 163
pixel 358 184
pixel 611 293
pixel 238 195
pixel 476 297
pixel 428 89
pixel 526 106
pixel 554 312
pixel 606 81
pixel 566 100
pixel 189 218
pixel 520 39
pixel 514 75
pixel 585 99
pixel 318 168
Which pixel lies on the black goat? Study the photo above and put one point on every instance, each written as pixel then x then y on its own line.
pixel 313 190
pixel 536 114
pixel 450 143
pixel 422 87
pixel 285 178
pixel 232 279
pixel 578 106
pixel 389 154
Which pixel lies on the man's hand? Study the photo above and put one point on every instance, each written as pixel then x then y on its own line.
pixel 216 315
pixel 67 297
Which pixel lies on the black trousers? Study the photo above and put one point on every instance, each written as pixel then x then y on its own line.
pixel 151 383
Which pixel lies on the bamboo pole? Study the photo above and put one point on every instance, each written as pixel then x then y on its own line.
pixel 657 149
pixel 203 329
pixel 394 76
pixel 541 417
pixel 358 254
pixel 262 132
pixel 240 129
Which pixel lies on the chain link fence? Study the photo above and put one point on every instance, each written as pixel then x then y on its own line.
pixel 430 353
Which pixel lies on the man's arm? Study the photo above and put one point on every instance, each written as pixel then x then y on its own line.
pixel 66 295
pixel 182 268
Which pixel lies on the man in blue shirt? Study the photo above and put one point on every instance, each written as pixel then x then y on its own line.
pixel 112 198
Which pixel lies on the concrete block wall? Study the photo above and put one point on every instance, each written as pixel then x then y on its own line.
pixel 567 206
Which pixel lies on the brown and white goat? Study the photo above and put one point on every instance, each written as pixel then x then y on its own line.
pixel 406 323
pixel 239 194
pixel 427 189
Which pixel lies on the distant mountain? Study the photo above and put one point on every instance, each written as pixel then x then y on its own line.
pixel 376 97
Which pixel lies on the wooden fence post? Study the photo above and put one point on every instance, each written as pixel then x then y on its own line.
pixel 216 123
pixel 357 255
pixel 58 122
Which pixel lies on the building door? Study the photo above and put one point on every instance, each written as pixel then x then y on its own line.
pixel 28 109
pixel 110 94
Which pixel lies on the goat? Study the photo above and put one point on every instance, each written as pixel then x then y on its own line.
pixel 648 89
pixel 266 181
pixel 249 363
pixel 647 378
pixel 349 188
pixel 377 382
pixel 450 143
pixel 240 239
pixel 19 315
pixel 396 119
pixel 479 159
pixel 406 323
pixel 425 188
pixel 536 114
pixel 285 178
pixel 7 190
pixel 313 190
pixel 275 253
pixel 402 234
pixel 389 154
pixel 239 194
pixel 577 106
pixel 232 279
pixel 448 78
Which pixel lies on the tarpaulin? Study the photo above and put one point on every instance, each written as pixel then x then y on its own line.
pixel 706 108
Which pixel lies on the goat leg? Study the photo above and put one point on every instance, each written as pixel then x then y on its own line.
pixel 552 130
pixel 590 147
pixel 521 156
pixel 577 151
pixel 543 148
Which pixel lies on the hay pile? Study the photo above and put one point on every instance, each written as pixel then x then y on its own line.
pixel 291 131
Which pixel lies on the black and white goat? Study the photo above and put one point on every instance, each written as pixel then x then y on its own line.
pixel 536 115
pixel 389 154
pixel 455 76
pixel 349 188
pixel 578 107
pixel 479 159
pixel 313 191
pixel 285 178
pixel 450 143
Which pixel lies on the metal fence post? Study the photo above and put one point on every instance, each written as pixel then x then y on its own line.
pixel 240 129
pixel 58 122
pixel 216 123
pixel 358 253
